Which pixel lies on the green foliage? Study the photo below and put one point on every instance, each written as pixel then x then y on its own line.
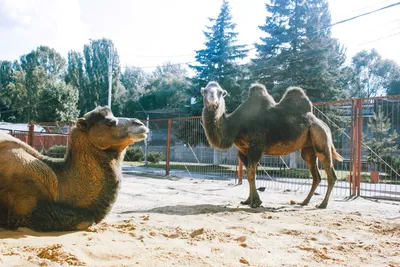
pixel 51 62
pixel 57 151
pixel 34 90
pixel 134 154
pixel 155 157
pixel 165 92
pixel 13 95
pixel 191 132
pixel 373 75
pixel 393 88
pixel 76 77
pixel 63 100
pixel 88 72
pixel 298 50
pixel 218 60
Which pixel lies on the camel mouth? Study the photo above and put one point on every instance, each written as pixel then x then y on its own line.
pixel 137 133
pixel 138 137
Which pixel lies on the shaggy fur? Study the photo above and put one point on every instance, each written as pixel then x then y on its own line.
pixel 262 126
pixel 47 194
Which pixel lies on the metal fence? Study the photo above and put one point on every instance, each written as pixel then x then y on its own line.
pixel 365 133
pixel 44 137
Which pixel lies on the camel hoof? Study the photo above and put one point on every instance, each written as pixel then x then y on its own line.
pixel 322 206
pixel 304 203
pixel 247 202
pixel 256 204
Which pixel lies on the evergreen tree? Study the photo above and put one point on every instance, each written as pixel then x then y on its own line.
pixel 218 60
pixel 382 139
pixel 298 50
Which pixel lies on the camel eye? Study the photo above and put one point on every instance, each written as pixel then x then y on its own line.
pixel 110 122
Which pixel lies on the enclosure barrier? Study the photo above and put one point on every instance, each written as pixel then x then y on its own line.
pixel 364 132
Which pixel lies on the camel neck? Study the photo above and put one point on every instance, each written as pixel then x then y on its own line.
pixel 95 170
pixel 216 126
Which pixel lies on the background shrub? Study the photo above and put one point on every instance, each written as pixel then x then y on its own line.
pixel 57 151
pixel 134 154
pixel 155 157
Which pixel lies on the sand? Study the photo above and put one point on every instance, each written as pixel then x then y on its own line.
pixel 184 222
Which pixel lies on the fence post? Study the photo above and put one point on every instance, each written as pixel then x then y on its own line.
pixel 146 143
pixel 356 147
pixel 31 131
pixel 359 141
pixel 168 152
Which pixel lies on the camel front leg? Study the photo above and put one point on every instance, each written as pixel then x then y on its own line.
pixel 48 217
pixel 254 199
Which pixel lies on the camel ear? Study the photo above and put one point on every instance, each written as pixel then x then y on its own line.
pixel 203 91
pixel 224 93
pixel 82 124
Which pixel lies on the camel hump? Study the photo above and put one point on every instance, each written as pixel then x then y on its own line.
pixel 259 91
pixel 9 140
pixel 295 97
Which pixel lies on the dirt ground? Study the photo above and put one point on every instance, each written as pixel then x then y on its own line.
pixel 184 222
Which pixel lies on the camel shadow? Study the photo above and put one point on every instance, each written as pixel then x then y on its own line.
pixel 26 232
pixel 211 209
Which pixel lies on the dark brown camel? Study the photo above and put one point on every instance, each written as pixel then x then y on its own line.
pixel 262 126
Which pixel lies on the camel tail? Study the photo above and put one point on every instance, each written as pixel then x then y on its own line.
pixel 335 154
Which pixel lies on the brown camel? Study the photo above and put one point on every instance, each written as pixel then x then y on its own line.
pixel 262 126
pixel 46 194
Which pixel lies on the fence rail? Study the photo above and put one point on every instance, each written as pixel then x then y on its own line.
pixel 364 131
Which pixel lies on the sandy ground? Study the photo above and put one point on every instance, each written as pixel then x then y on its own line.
pixel 184 222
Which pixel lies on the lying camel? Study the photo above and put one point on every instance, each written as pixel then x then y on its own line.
pixel 47 194
pixel 262 126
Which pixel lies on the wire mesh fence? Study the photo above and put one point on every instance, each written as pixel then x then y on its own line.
pixel 380 125
pixel 364 131
pixel 48 138
pixel 290 172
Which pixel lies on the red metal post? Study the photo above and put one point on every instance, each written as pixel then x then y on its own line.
pixel 168 152
pixel 352 148
pixel 31 132
pixel 356 147
pixel 359 141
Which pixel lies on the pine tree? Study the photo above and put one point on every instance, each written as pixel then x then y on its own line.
pixel 298 50
pixel 218 60
pixel 382 138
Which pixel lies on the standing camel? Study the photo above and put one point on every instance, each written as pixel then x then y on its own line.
pixel 262 126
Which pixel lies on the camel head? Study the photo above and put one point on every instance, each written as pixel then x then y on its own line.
pixel 213 95
pixel 108 132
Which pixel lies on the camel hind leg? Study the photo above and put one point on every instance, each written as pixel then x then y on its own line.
pixel 48 217
pixel 309 156
pixel 322 143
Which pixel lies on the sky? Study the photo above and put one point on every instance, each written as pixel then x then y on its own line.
pixel 149 32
